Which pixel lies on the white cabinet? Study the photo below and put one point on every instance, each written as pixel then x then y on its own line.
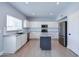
pixel 9 44
pixel 13 42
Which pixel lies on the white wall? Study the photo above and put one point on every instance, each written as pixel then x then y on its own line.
pixel 4 10
pixel 72 13
pixel 73 29
pixel 35 27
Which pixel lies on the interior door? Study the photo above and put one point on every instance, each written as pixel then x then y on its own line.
pixel 73 32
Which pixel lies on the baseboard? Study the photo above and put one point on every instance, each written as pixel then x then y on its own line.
pixel 73 52
pixel 1 53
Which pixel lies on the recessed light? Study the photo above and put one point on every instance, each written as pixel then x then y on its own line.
pixel 57 3
pixel 26 2
pixel 50 13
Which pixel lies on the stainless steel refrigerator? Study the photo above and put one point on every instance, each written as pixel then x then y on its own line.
pixel 63 33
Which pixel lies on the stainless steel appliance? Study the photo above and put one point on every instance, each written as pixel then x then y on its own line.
pixel 63 33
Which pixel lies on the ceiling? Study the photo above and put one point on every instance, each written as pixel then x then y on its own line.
pixel 49 10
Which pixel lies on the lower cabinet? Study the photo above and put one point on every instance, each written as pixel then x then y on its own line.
pixel 45 43
pixel 13 42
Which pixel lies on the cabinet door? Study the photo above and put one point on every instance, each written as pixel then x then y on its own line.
pixel 18 42
pixel 10 44
pixel 24 39
pixel 45 43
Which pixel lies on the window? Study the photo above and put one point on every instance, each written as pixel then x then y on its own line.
pixel 13 23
